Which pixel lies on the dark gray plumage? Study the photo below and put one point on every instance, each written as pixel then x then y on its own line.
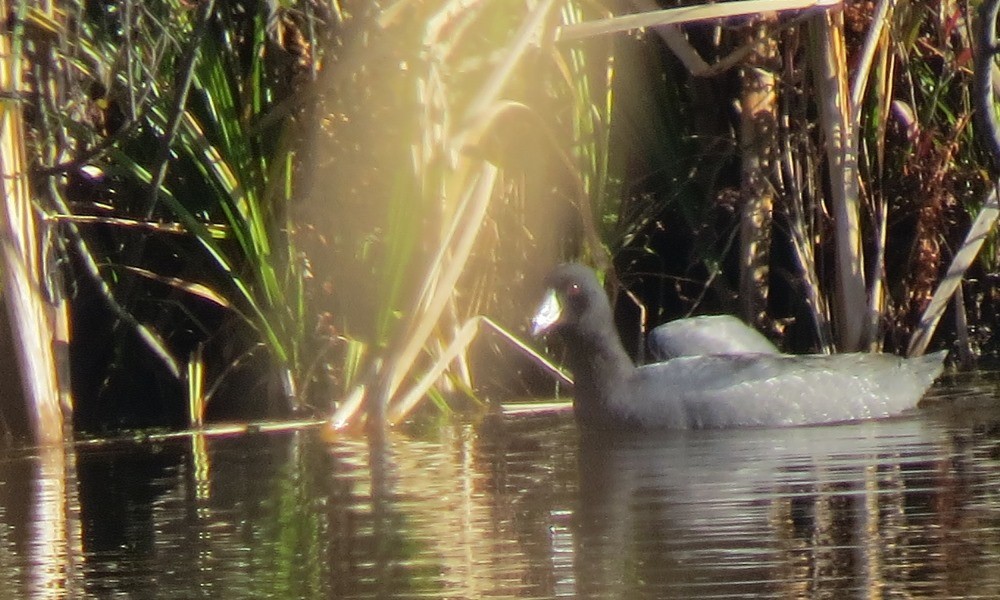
pixel 715 390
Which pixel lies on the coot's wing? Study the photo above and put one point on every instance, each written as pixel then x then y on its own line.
pixel 713 334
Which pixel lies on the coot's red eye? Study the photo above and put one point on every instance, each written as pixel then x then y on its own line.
pixel 573 289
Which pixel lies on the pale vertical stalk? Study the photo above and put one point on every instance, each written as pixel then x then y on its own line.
pixel 758 126
pixel 874 42
pixel 875 47
pixel 966 359
pixel 32 317
pixel 880 205
pixel 830 62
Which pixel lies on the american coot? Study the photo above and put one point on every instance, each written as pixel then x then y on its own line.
pixel 715 390
pixel 712 334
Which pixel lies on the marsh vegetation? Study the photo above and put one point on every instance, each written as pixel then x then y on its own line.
pixel 264 209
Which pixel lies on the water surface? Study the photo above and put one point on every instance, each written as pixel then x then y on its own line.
pixel 520 507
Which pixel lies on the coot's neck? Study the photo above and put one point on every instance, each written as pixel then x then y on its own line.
pixel 599 365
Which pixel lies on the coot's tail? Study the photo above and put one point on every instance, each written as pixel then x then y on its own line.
pixel 927 367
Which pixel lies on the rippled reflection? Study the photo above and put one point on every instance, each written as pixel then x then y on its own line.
pixel 521 507
pixel 751 513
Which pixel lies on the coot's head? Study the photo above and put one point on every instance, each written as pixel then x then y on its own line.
pixel 574 300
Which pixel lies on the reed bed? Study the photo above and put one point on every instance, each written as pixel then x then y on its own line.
pixel 341 209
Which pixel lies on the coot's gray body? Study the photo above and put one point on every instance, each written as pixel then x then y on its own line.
pixel 715 390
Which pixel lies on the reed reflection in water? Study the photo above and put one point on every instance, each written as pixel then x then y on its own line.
pixel 520 507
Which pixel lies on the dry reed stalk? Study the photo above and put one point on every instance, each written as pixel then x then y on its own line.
pixel 967 252
pixel 758 139
pixel 687 14
pixel 850 302
pixel 33 317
